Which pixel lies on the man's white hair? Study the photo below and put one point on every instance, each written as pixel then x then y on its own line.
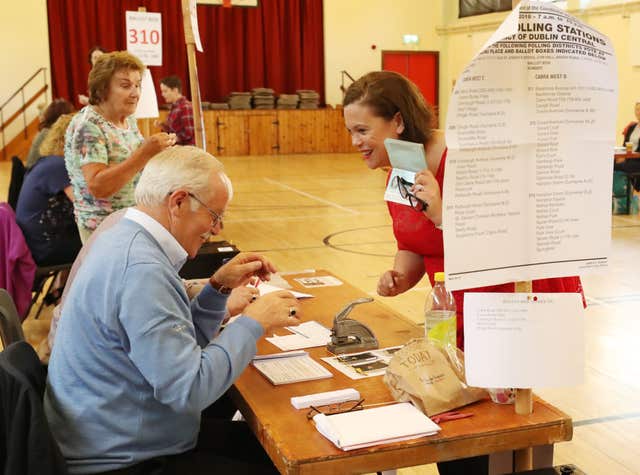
pixel 181 167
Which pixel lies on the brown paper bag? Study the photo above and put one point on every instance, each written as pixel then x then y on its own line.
pixel 431 377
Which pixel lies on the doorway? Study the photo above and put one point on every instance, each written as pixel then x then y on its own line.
pixel 421 67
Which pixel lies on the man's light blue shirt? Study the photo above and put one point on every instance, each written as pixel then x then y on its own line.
pixel 135 362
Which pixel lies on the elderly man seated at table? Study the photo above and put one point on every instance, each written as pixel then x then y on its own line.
pixel 135 362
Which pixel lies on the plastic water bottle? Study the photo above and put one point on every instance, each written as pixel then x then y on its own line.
pixel 440 314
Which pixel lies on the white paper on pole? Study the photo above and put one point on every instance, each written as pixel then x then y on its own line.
pixel 148 103
pixel 530 130
pixel 144 36
pixel 523 340
pixel 194 25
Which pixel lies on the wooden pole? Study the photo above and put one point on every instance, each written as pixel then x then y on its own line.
pixel 143 124
pixel 193 75
pixel 523 459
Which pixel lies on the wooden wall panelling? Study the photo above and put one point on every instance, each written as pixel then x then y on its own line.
pixel 233 133
pixel 309 130
pixel 21 143
pixel 339 138
pixel 288 133
pixel 319 130
pixel 211 131
pixel 262 130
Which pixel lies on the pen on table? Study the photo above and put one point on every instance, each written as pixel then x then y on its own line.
pixel 298 332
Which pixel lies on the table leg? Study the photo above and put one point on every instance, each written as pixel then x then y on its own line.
pixel 523 459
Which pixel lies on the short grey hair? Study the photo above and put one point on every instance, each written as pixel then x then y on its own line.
pixel 180 167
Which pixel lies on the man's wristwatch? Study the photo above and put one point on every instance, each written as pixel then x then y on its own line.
pixel 219 287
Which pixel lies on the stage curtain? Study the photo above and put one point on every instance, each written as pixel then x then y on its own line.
pixel 278 44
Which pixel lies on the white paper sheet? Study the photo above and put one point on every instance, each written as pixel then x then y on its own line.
pixel 523 340
pixel 292 367
pixel 148 104
pixel 392 193
pixel 530 129
pixel 306 335
pixel 266 288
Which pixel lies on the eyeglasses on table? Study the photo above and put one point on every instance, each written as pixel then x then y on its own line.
pixel 340 408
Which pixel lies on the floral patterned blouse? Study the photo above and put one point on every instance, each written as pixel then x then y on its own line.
pixel 90 138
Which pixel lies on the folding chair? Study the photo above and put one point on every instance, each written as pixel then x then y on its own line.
pixel 44 279
pixel 15 183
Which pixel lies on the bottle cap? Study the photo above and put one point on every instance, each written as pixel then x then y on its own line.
pixel 438 276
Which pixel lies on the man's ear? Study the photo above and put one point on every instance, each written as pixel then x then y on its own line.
pixel 398 123
pixel 178 202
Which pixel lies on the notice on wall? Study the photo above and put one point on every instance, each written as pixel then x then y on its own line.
pixel 530 131
pixel 523 340
pixel 144 36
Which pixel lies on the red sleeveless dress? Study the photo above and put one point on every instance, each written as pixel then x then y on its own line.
pixel 416 233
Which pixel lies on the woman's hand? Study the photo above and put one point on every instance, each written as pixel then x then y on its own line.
pixel 426 188
pixel 392 283
pixel 156 143
pixel 408 269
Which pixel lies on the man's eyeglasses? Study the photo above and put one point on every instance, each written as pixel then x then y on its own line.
pixel 332 409
pixel 404 187
pixel 215 217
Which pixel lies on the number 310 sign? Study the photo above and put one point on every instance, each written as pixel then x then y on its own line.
pixel 144 37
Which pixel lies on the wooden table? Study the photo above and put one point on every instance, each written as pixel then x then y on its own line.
pixel 621 157
pixel 296 447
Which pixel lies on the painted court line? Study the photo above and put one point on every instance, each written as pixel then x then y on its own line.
pixel 598 420
pixel 330 203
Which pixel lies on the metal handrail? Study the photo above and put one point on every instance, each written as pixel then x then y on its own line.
pixel 24 84
pixel 25 104
pixel 342 75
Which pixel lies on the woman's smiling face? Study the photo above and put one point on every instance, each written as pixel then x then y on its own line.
pixel 368 132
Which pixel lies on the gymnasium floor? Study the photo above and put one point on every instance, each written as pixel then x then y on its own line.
pixel 327 212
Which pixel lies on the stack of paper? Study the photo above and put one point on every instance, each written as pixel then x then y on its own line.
pixel 379 425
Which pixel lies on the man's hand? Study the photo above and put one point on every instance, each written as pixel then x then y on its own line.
pixel 242 269
pixel 239 298
pixel 275 310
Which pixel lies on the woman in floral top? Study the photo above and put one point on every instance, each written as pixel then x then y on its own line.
pixel 104 151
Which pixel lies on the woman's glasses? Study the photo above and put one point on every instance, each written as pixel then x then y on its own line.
pixel 404 187
pixel 332 409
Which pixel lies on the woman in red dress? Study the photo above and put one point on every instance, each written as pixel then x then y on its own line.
pixel 383 105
